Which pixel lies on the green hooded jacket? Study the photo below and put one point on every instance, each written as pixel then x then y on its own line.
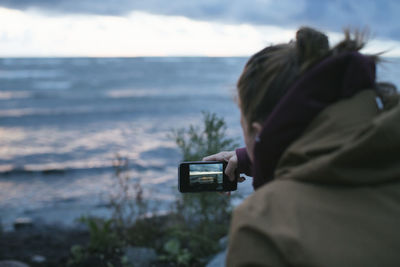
pixel 335 199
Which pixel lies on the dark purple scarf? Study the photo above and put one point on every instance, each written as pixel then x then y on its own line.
pixel 333 79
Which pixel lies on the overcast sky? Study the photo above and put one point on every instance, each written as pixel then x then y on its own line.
pixel 182 27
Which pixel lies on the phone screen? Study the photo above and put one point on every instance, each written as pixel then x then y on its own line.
pixel 206 174
pixel 201 176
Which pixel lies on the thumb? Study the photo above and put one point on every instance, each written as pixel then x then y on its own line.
pixel 230 170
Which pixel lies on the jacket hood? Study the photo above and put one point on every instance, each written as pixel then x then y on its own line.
pixel 349 143
pixel 335 78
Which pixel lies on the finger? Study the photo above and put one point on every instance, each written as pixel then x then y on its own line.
pixel 221 156
pixel 230 170
pixel 210 158
pixel 217 157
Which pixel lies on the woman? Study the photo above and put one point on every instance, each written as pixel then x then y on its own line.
pixel 322 144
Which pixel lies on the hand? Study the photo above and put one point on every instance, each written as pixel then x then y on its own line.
pixel 231 158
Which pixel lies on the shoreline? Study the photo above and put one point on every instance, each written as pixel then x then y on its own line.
pixel 52 243
pixel 55 245
pixel 61 199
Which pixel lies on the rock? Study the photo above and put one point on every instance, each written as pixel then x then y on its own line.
pixel 218 260
pixel 38 259
pixel 11 263
pixel 140 256
pixel 223 242
pixel 23 223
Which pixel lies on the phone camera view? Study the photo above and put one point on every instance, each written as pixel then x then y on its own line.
pixel 201 175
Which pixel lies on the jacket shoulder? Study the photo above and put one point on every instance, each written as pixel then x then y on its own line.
pixel 295 223
pixel 252 240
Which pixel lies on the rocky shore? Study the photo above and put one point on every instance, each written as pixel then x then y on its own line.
pixel 41 245
pixel 35 244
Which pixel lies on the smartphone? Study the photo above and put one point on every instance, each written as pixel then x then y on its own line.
pixel 204 176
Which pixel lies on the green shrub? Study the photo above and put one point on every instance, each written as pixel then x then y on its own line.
pixel 104 248
pixel 187 236
pixel 175 253
pixel 108 237
pixel 203 217
pixel 125 197
pixel 197 142
pixel 103 238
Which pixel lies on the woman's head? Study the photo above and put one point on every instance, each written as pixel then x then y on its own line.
pixel 269 74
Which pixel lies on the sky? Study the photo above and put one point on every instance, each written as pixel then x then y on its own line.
pixel 119 28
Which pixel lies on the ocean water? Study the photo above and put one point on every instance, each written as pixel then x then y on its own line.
pixel 64 120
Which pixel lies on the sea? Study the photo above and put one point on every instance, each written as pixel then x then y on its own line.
pixel 64 122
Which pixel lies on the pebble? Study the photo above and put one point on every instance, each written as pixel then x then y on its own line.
pixel 218 260
pixel 223 242
pixel 12 263
pixel 23 223
pixel 38 259
pixel 140 256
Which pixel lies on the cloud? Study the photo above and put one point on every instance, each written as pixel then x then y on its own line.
pixel 379 15
pixel 136 34
pixel 29 34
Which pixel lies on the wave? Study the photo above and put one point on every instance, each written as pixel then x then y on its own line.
pixel 20 171
pixel 8 95
pixel 29 73
pixel 10 113
pixel 52 85
pixel 30 61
